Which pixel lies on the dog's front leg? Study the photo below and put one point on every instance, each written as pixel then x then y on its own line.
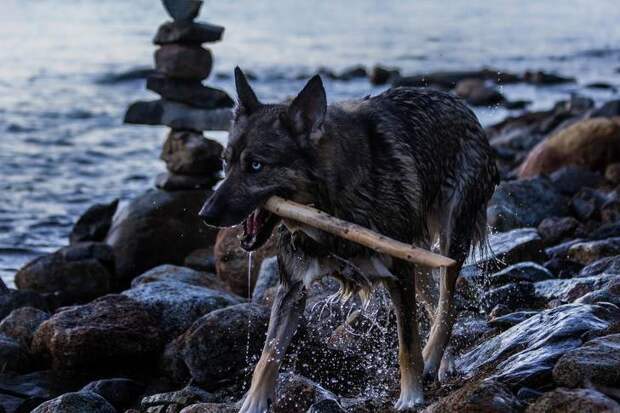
pixel 287 308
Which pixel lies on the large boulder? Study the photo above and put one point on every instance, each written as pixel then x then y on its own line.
pixel 157 227
pixel 21 324
pixel 570 289
pixel 94 224
pixel 525 354
pixel 13 299
pixel 525 203
pixel 119 392
pixel 220 346
pixel 174 273
pixel 112 333
pixel 183 61
pixel 177 304
pixel 190 153
pixel 596 362
pixel 174 402
pixel 79 272
pixel 591 143
pixel 574 401
pixel 588 252
pixel 78 402
pixel 232 261
pixel 485 396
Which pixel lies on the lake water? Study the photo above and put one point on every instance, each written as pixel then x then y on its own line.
pixel 63 146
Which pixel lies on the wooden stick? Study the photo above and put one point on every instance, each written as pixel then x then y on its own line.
pixel 353 232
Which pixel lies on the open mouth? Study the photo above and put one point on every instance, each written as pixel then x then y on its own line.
pixel 257 229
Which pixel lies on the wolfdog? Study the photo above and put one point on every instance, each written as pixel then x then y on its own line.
pixel 412 164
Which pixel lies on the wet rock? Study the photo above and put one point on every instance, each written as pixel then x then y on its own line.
pixel 380 75
pixel 296 393
pixel 21 324
pixel 177 305
pixel 525 354
pixel 76 402
pixel 80 272
pixel 543 78
pixel 219 347
pixel 267 280
pixel 561 250
pixel 138 230
pixel 22 393
pixel 505 321
pixel 612 173
pixel 570 179
pixel 192 33
pixel 562 267
pixel 173 273
pixel 326 406
pixel 174 402
pixel 478 93
pixel 514 296
pixel 190 153
pixel 173 182
pixel 13 299
pixel 587 252
pixel 201 259
pixel 183 62
pixel 525 203
pixel 587 203
pixel 596 362
pixel 605 265
pixel 520 272
pixel 177 115
pixel 13 356
pixel 119 392
pixel 212 408
pixel 485 396
pixel 607 230
pixel 110 333
pixel 610 293
pixel 591 143
pixel 231 261
pixel 94 224
pixel 449 79
pixel 191 92
pixel 610 210
pixel 554 230
pixel 568 290
pixel 574 401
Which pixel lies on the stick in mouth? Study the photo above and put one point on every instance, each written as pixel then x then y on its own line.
pixel 356 233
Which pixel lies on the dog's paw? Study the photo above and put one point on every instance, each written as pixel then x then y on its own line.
pixel 255 405
pixel 409 400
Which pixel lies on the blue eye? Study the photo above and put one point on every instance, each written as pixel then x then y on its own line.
pixel 256 166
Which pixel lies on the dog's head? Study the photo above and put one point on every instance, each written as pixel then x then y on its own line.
pixel 270 151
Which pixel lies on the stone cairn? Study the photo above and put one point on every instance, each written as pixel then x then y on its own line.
pixel 186 106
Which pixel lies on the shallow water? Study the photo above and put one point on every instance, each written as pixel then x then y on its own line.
pixel 63 146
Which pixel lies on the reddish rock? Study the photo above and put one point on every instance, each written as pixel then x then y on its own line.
pixel 486 396
pixel 574 401
pixel 190 153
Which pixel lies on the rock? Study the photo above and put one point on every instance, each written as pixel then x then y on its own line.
pixel 607 265
pixel 570 289
pixel 525 203
pixel 173 182
pixel 173 273
pixel 449 79
pixel 506 321
pixel 212 408
pixel 13 356
pixel 21 324
pixel 574 401
pixel 610 210
pixel 13 299
pixel 543 78
pixel 183 11
pixel 119 392
pixel 231 261
pixel 138 230
pixel 380 75
pixel 266 282
pixel 80 272
pixel 190 153
pixel 475 397
pixel 296 394
pixel 326 406
pixel 76 402
pixel 110 333
pixel 587 252
pixel 94 224
pixel 608 110
pixel 220 346
pixel 554 230
pixel 478 93
pixel 562 267
pixel 607 230
pixel 591 143
pixel 612 173
pixel 201 259
pixel 524 271
pixel 596 362
pixel 525 354
pixel 177 115
pixel 571 179
pixel 137 73
pixel 587 203
pixel 191 92
pixel 188 33
pixel 22 393
pixel 514 296
pixel 350 73
pixel 174 402
pixel 610 293
pixel 177 305
pixel 183 62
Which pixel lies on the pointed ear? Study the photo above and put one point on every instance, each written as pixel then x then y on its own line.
pixel 307 111
pixel 248 102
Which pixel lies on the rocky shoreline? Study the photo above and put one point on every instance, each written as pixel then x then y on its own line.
pixel 147 310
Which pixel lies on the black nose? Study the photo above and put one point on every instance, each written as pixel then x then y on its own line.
pixel 209 213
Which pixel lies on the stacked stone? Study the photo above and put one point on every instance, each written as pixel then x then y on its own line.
pixel 187 106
